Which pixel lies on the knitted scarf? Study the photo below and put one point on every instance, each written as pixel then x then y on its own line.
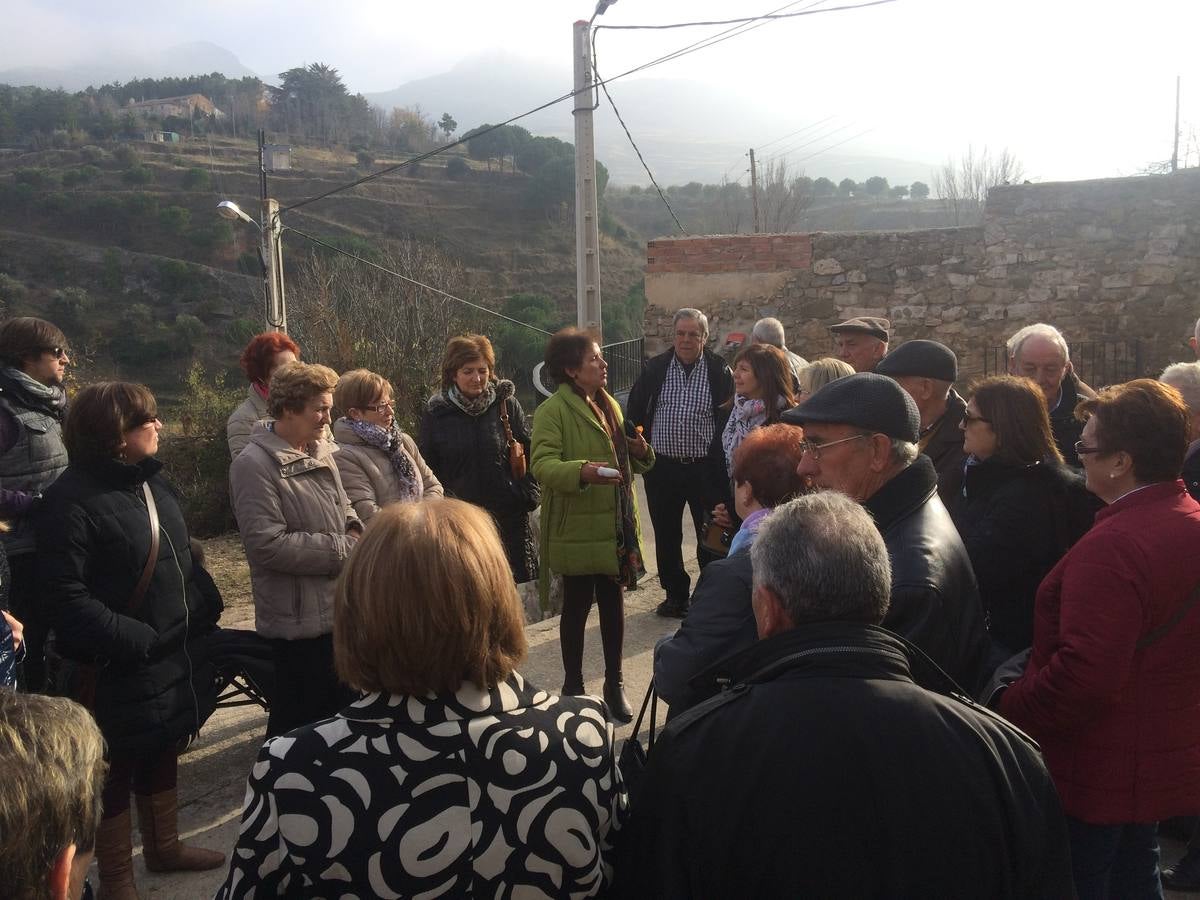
pixel 388 440
pixel 629 559
pixel 32 394
pixel 473 406
pixel 745 416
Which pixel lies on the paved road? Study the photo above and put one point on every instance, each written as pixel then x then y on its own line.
pixel 212 774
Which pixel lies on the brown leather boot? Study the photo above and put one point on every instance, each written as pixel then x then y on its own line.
pixel 158 821
pixel 114 853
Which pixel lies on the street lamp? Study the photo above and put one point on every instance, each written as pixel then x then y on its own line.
pixel 227 209
pixel 271 255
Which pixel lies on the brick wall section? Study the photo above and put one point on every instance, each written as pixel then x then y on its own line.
pixel 729 253
pixel 1102 260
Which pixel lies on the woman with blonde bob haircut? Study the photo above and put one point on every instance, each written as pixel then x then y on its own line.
pixel 431 781
pixel 378 462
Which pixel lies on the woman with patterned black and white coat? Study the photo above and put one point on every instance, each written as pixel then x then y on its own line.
pixel 453 776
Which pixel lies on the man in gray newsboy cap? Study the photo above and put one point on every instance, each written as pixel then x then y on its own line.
pixel 860 438
pixel 927 370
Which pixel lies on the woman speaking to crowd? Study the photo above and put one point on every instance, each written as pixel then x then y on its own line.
pixel 590 533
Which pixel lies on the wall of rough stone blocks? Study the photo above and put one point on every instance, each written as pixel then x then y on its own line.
pixel 1105 260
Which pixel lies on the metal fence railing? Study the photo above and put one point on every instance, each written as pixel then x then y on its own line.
pixel 625 359
pixel 1097 363
pixel 625 362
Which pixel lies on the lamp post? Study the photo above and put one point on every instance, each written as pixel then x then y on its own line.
pixel 270 246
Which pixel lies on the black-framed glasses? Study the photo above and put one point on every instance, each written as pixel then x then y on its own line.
pixel 968 418
pixel 814 449
pixel 1081 449
pixel 59 352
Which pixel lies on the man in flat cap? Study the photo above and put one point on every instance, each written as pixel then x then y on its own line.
pixel 862 341
pixel 860 438
pixel 927 371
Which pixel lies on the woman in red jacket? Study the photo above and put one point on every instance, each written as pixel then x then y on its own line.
pixel 1112 689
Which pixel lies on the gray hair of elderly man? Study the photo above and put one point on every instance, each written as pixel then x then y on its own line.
pixel 769 331
pixel 689 313
pixel 1185 378
pixel 825 560
pixel 1038 329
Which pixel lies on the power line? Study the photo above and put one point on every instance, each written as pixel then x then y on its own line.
pixel 393 272
pixel 852 137
pixel 794 133
pixel 683 51
pixel 661 196
pixel 793 148
pixel 743 21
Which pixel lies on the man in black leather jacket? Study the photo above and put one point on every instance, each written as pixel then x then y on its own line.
pixel 861 436
pixel 834 764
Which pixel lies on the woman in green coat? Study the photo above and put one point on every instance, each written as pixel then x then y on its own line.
pixel 590 534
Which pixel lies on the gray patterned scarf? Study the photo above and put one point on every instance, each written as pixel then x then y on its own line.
pixel 476 406
pixel 388 440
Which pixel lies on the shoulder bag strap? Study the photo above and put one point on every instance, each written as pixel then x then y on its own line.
pixel 143 584
pixel 1156 634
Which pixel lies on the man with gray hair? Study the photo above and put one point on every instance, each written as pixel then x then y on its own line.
pixel 770 331
pixel 1040 352
pixel 677 402
pixel 52 760
pixel 835 764
pixel 1185 378
pixel 860 438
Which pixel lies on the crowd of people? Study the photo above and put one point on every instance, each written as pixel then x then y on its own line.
pixel 939 644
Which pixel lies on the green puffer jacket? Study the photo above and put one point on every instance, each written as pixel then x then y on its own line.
pixel 579 522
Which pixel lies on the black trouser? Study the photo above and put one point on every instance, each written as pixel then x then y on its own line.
pixel 146 773
pixel 578 592
pixel 670 485
pixel 24 599
pixel 306 687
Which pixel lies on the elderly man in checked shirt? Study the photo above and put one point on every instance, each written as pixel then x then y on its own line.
pixel 677 401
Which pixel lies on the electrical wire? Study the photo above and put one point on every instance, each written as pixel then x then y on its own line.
pixel 676 54
pixel 852 137
pixel 636 149
pixel 393 272
pixel 787 151
pixel 761 147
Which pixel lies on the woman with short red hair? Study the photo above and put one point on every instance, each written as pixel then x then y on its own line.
pixel 264 354
pixel 720 618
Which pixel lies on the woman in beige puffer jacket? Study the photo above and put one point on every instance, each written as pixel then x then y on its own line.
pixel 379 463
pixel 298 528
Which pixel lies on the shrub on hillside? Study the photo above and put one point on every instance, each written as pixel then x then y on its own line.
pixel 126 155
pixel 40 179
pixel 174 219
pixel 138 175
pixel 196 455
pixel 457 168
pixel 195 179
pixel 111 275
pixel 365 159
pixel 93 154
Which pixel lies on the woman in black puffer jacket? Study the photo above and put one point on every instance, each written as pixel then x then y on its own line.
pixel 462 439
pixel 1020 508
pixel 94 539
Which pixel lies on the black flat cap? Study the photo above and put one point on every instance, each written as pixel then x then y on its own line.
pixel 923 359
pixel 872 325
pixel 866 400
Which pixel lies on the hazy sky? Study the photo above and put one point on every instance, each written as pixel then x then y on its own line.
pixel 1076 88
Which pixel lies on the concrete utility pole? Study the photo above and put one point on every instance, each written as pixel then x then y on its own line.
pixel 1175 151
pixel 754 193
pixel 587 218
pixel 272 248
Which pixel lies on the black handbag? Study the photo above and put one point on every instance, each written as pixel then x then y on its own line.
pixel 632 761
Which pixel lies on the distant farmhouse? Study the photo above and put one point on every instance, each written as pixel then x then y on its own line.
pixel 180 107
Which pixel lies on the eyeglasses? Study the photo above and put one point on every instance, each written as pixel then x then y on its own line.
pixel 814 450
pixel 968 419
pixel 59 352
pixel 1082 449
pixel 379 407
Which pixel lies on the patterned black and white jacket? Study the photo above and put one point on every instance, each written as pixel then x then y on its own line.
pixel 512 791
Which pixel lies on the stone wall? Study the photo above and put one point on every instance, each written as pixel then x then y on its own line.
pixel 1107 260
